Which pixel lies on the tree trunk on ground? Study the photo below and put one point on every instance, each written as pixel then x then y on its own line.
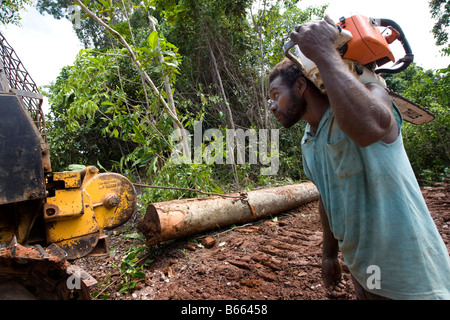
pixel 179 218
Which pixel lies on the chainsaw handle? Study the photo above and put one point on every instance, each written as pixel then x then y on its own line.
pixel 404 62
pixel 286 49
pixel 344 36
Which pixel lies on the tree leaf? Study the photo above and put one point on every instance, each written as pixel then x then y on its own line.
pixel 153 40
pixel 138 134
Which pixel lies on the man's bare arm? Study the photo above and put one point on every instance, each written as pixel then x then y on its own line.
pixel 330 244
pixel 331 268
pixel 364 113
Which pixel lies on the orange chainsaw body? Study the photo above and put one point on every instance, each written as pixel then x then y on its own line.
pixel 368 44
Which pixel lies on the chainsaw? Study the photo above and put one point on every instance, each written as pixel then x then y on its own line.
pixel 364 45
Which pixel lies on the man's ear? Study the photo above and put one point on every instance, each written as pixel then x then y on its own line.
pixel 300 85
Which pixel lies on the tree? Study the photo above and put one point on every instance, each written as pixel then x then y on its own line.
pixel 426 145
pixel 90 33
pixel 440 10
pixel 76 134
pixel 10 9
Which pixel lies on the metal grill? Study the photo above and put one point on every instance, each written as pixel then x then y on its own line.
pixel 15 79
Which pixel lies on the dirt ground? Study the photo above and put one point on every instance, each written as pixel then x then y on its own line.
pixel 278 258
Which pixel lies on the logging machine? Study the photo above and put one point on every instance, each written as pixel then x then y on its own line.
pixel 365 46
pixel 47 218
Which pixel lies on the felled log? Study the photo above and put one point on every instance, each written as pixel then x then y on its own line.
pixel 180 218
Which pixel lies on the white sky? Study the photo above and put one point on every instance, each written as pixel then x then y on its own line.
pixel 45 44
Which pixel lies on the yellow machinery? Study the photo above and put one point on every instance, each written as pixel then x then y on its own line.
pixel 89 202
pixel 47 219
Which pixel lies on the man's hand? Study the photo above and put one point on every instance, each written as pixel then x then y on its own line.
pixel 332 276
pixel 316 39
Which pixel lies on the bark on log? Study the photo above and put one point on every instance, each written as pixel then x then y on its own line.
pixel 179 218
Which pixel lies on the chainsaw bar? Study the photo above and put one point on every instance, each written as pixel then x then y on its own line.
pixel 411 112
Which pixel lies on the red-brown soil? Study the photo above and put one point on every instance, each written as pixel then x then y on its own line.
pixel 270 259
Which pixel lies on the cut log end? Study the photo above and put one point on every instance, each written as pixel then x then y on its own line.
pixel 150 226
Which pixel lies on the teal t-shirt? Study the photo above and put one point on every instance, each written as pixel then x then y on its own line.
pixel 377 213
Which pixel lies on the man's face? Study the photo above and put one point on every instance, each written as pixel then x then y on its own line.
pixel 288 106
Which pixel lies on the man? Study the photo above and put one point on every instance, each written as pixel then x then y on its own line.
pixel 371 206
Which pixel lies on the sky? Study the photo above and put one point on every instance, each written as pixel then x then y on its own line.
pixel 45 44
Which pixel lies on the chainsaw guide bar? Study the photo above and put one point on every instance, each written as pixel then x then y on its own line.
pixel 411 112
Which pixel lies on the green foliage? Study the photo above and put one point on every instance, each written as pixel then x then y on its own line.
pixel 131 270
pixel 99 103
pixel 90 33
pixel 191 176
pixel 10 11
pixel 277 21
pixel 56 8
pixel 291 153
pixel 440 10
pixel 427 145
pixel 78 109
